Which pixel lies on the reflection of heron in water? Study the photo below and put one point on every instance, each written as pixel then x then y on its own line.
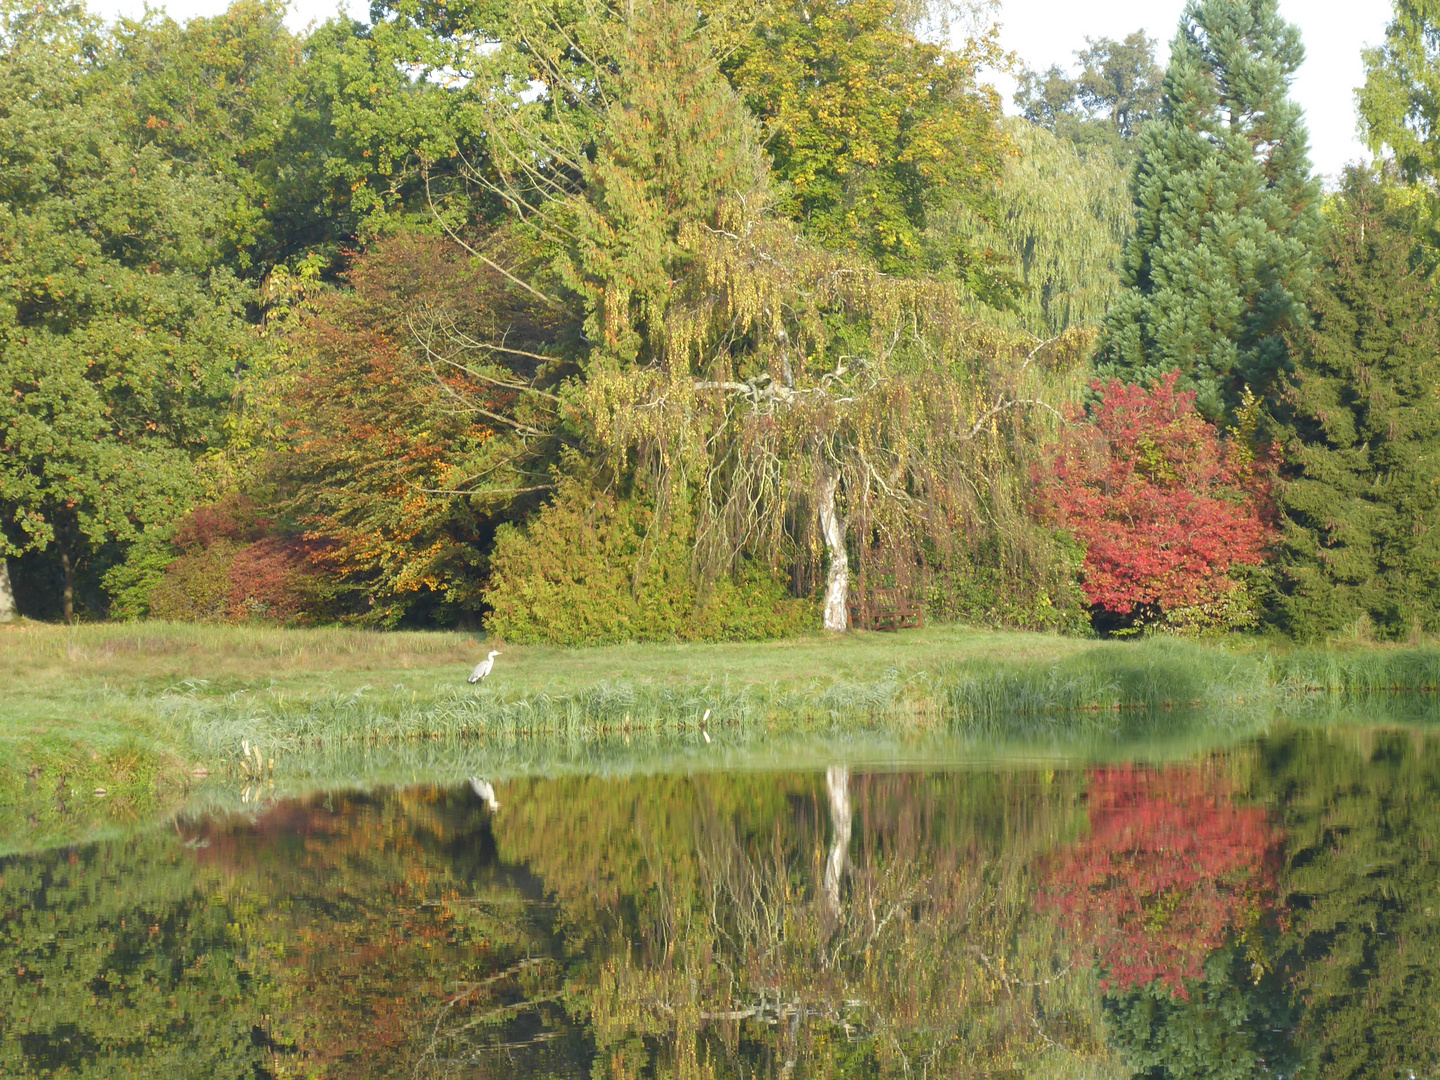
pixel 837 782
pixel 483 789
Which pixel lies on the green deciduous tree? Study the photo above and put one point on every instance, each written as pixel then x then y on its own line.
pixel 1216 272
pixel 872 128
pixel 1400 101
pixel 1104 106
pixel 217 95
pixel 1361 537
pixel 1058 221
pixel 119 331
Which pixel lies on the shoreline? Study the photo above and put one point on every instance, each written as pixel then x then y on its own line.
pixel 126 722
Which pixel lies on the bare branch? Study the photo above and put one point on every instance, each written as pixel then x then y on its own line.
pixel 549 301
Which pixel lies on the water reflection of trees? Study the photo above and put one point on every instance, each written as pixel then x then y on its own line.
pixel 1174 890
pixel 1172 869
pixel 1362 884
pixel 924 957
pixel 724 926
pixel 392 938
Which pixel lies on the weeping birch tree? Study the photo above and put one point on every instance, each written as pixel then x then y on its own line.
pixel 809 411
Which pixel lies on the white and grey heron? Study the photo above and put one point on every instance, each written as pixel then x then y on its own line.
pixel 483 668
pixel 485 791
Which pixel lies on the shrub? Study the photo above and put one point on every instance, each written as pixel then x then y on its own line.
pixel 130 584
pixel 226 568
pixel 1040 591
pixel 196 586
pixel 272 578
pixel 593 568
pixel 232 517
pixel 1164 508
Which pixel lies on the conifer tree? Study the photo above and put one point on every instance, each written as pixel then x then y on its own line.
pixel 1226 209
pixel 1360 515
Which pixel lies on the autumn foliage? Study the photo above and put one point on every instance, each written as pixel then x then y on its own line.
pixel 1164 507
pixel 231 567
pixel 1170 870
pixel 395 418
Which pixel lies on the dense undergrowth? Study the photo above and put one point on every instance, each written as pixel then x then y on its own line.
pixel 98 730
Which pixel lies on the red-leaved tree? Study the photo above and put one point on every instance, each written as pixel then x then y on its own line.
pixel 1164 507
pixel 1171 869
pixel 231 566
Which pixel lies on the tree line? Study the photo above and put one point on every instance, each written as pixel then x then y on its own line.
pixel 619 323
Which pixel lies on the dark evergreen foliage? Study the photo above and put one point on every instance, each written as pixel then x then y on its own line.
pixel 1364 497
pixel 1226 207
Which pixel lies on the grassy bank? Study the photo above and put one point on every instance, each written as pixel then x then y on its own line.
pixel 113 723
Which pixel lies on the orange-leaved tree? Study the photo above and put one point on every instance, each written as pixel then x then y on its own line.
pixel 413 425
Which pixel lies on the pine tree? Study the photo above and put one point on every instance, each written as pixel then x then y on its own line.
pixel 1360 514
pixel 1226 209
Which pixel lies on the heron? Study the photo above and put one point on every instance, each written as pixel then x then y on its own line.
pixel 482 669
pixel 483 789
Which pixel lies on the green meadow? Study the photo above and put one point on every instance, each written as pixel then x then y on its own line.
pixel 111 725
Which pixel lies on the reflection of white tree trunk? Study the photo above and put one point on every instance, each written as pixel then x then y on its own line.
pixel 837 584
pixel 7 597
pixel 837 781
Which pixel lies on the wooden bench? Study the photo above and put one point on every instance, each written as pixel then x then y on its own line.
pixel 886 609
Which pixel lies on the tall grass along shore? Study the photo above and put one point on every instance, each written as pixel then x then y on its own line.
pixel 109 723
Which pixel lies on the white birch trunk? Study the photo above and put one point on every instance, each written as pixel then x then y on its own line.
pixel 7 596
pixel 837 782
pixel 837 584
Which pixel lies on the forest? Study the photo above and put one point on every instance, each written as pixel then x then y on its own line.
pixel 589 322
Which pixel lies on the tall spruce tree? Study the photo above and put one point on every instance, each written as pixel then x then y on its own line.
pixel 1226 210
pixel 1360 515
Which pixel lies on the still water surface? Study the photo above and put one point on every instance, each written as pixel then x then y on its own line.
pixel 1267 910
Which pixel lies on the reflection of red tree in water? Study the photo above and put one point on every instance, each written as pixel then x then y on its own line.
pixel 1170 869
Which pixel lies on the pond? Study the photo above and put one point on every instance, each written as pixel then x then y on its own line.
pixel 1267 909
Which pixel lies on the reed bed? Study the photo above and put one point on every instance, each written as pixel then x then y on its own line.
pixel 1359 671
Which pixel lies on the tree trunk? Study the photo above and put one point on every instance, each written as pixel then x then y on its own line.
pixel 7 595
pixel 837 583
pixel 67 595
pixel 837 782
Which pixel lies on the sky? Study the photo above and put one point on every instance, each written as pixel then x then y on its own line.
pixel 1045 32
